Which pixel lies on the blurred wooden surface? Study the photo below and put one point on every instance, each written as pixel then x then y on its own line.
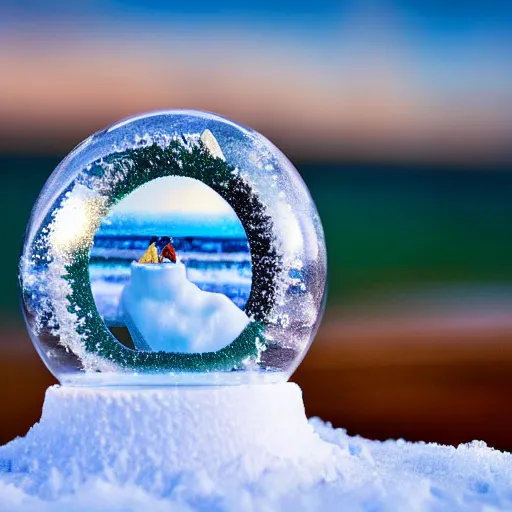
pixel 444 382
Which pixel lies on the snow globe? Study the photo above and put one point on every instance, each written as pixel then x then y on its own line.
pixel 172 248
pixel 174 262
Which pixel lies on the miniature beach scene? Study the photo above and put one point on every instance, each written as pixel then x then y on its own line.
pixel 170 268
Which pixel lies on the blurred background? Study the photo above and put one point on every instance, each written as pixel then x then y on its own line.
pixel 398 114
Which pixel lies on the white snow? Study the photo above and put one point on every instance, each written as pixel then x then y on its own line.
pixel 212 144
pixel 251 450
pixel 172 314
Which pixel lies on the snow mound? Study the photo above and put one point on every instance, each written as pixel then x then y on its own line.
pixel 120 452
pixel 165 311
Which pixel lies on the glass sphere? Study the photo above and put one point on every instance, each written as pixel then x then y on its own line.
pixel 173 247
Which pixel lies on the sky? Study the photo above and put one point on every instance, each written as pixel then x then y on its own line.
pixel 379 80
pixel 435 10
pixel 173 206
pixel 174 195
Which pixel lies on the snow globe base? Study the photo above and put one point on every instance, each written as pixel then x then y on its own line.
pixel 146 433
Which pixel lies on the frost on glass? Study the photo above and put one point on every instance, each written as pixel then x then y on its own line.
pixel 173 247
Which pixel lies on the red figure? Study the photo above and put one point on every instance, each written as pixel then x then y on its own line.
pixel 169 253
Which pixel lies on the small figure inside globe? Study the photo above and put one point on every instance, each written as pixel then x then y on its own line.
pixel 158 253
pixel 168 251
pixel 235 296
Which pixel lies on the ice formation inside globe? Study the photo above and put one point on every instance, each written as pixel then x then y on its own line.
pixel 173 247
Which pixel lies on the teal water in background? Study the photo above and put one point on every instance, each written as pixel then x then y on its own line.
pixel 393 228
pixel 387 227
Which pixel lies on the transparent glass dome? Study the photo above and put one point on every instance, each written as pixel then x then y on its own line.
pixel 173 247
